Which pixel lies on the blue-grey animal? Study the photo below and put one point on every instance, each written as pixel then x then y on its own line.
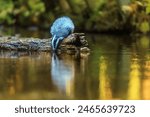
pixel 60 29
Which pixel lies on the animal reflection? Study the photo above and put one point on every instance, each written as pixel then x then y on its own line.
pixel 62 73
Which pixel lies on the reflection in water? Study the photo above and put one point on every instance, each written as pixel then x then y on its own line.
pixel 11 87
pixel 116 68
pixel 146 78
pixel 134 80
pixel 104 86
pixel 23 73
pixel 62 73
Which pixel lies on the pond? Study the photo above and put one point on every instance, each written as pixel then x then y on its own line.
pixel 118 67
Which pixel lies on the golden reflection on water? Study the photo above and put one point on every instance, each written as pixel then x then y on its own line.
pixel 21 73
pixel 146 78
pixel 104 86
pixel 134 87
pixel 113 70
pixel 11 87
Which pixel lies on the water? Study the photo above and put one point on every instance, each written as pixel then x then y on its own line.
pixel 118 67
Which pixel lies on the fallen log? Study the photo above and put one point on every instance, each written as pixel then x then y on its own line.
pixel 74 42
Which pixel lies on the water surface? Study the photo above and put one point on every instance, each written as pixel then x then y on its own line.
pixel 118 67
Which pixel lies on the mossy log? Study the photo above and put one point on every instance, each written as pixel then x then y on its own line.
pixel 74 42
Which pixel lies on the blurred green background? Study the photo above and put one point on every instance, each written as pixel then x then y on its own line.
pixel 88 15
pixel 117 67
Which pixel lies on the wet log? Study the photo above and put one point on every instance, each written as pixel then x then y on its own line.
pixel 74 42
